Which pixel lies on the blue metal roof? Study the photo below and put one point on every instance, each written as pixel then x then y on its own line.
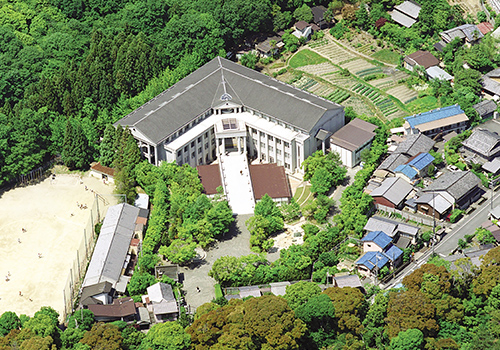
pixel 407 170
pixel 433 115
pixel 370 259
pixel 377 237
pixel 421 161
pixel 393 253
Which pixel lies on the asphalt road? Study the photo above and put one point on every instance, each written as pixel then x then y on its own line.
pixel 466 226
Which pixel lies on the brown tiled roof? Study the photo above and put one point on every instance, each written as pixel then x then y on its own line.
pixel 485 27
pixel 122 307
pixel 270 179
pixel 422 58
pixel 103 169
pixel 210 177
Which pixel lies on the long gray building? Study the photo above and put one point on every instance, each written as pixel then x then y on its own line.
pixel 224 107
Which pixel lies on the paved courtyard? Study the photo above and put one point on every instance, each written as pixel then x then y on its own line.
pixel 236 243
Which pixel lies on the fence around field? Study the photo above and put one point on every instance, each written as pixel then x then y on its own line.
pixel 83 254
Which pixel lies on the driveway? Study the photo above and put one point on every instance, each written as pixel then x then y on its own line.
pixel 235 243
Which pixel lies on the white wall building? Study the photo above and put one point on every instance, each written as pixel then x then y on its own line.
pixel 225 107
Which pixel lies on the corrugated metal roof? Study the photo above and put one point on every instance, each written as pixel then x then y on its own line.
pixel 433 115
pixel 421 161
pixel 379 238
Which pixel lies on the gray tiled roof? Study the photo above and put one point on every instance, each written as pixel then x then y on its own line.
pixel 483 142
pixel 414 144
pixel 202 89
pixel 457 184
pixel 394 189
pixel 393 161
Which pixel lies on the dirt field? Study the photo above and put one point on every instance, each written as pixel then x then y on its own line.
pixel 54 228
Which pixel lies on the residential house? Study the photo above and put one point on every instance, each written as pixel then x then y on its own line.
pixel 111 255
pixel 406 13
pixel 491 84
pixel 481 146
pixel 420 58
pixel 319 16
pixel 122 309
pixel 460 188
pixel 434 204
pixel 161 301
pixel 351 140
pixel 486 108
pixel 437 122
pixel 415 168
pixel 378 252
pixel 269 47
pixel 470 33
pixel 392 192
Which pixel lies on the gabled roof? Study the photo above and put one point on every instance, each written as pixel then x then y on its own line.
pixel 379 238
pixel 420 161
pixel 485 107
pixel 112 245
pixel 407 170
pixel 394 189
pixel 201 90
pixel 436 72
pixel 376 223
pixel 415 144
pixel 422 58
pixel 437 114
pixel 483 142
pixel 372 259
pixel 493 166
pixel 393 161
pixel 354 135
pixel 436 201
pixel 457 184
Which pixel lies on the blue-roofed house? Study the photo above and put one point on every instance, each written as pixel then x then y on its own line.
pixel 376 241
pixel 437 123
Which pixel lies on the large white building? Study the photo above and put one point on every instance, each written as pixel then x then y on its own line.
pixel 223 108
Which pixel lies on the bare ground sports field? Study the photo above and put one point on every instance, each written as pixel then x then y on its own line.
pixel 54 228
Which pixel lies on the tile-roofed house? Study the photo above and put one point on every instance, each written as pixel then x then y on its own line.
pixel 460 188
pixel 437 122
pixel 181 123
pixel 351 140
pixel 485 27
pixel 393 161
pixel 406 13
pixel 161 301
pixel 483 145
pixel 434 204
pixel 469 32
pixel 112 246
pixel 379 238
pixel 319 16
pixel 485 108
pixel 392 192
pixel 420 58
pixel 492 166
pixel 415 144
pixel 270 179
pixel 210 178
pixel 436 72
pixel 122 309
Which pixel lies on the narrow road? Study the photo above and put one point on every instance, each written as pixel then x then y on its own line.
pixel 450 241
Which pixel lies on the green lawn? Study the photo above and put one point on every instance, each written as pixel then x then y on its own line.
pixel 386 55
pixel 305 57
pixel 423 104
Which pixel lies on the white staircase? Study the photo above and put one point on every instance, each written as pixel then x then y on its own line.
pixel 237 182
